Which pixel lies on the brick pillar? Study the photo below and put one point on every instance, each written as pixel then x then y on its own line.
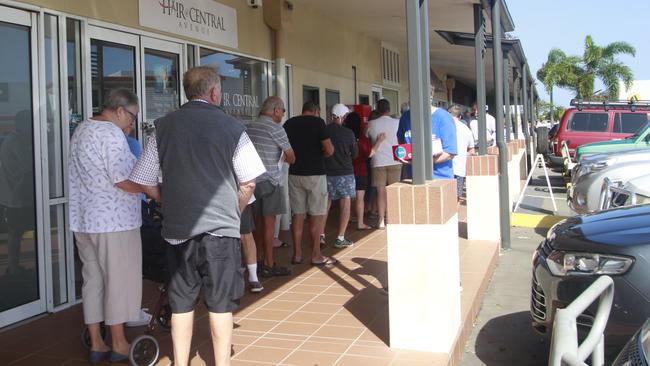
pixel 482 188
pixel 423 266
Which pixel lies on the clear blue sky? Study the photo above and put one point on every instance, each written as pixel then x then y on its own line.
pixel 545 24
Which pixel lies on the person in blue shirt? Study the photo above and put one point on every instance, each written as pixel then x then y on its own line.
pixel 443 127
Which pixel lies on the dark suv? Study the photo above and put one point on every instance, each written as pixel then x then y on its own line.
pixel 597 121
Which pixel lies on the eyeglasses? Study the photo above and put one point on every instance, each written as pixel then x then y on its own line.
pixel 134 115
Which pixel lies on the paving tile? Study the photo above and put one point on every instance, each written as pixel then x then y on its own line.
pixel 265 314
pixel 244 339
pixel 283 305
pixel 296 328
pixel 293 296
pixel 338 332
pixel 263 354
pixel 325 345
pixel 313 318
pixel 256 325
pixel 345 320
pixel 307 289
pixel 278 343
pixel 308 358
pixel 321 308
pixel 350 360
pixel 36 360
pixel 373 351
pixel 332 299
pixel 248 363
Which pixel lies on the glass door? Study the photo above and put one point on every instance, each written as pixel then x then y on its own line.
pixel 22 284
pixel 163 64
pixel 114 64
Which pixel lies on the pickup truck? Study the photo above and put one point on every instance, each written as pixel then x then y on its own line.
pixel 640 140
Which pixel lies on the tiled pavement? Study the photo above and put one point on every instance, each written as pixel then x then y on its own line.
pixel 318 316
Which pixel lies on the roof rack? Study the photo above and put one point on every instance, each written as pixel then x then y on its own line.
pixel 632 105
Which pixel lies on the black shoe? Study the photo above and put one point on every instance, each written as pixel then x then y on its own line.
pixel 266 271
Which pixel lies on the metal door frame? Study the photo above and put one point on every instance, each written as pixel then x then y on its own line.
pixel 176 48
pixel 38 306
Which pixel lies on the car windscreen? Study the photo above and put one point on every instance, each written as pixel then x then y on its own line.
pixel 629 122
pixel 639 131
pixel 588 122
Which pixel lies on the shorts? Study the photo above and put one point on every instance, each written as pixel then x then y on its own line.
pixel 360 183
pixel 269 199
pixel 247 224
pixel 341 186
pixel 386 175
pixel 308 194
pixel 209 264
pixel 460 185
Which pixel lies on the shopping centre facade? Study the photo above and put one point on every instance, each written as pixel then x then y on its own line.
pixel 60 57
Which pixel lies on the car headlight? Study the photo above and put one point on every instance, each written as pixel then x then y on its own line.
pixel 590 167
pixel 580 264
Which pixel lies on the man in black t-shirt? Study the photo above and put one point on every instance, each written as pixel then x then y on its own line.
pixel 307 183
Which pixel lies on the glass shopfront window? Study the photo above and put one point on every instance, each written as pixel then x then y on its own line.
pixel 243 82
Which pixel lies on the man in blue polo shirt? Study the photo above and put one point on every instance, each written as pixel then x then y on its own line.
pixel 443 128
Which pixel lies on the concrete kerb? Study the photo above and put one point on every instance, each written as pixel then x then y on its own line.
pixel 534 221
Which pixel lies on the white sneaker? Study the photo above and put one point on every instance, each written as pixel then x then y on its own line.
pixel 145 318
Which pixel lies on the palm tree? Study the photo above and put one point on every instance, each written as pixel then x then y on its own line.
pixel 558 70
pixel 600 62
pixel 580 73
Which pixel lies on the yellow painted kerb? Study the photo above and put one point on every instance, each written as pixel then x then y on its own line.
pixel 534 221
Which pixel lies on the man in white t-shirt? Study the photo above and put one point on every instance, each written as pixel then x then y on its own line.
pixel 385 170
pixel 105 219
pixel 490 127
pixel 465 144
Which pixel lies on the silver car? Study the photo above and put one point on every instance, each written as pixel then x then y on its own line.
pixel 588 175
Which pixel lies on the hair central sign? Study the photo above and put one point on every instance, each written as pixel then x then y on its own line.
pixel 201 19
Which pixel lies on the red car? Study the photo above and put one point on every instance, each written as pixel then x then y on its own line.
pixel 598 121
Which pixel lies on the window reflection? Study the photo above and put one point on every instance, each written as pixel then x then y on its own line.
pixel 112 67
pixel 243 82
pixel 161 84
pixel 53 107
pixel 75 96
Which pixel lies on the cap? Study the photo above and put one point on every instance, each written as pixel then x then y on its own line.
pixel 340 110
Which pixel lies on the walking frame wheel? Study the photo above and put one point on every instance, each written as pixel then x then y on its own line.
pixel 144 351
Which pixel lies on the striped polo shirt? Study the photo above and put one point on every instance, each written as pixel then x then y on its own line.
pixel 270 141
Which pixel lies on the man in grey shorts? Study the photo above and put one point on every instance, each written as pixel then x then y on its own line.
pixel 307 183
pixel 273 147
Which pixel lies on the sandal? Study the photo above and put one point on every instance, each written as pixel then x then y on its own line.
pixel 326 261
pixel 366 227
pixel 296 261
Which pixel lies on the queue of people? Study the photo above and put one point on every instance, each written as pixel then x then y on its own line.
pixel 223 192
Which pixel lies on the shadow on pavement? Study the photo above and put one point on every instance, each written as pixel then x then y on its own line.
pixel 510 340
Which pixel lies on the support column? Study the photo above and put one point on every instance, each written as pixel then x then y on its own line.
pixel 515 96
pixel 479 55
pixel 504 194
pixel 483 219
pixel 524 93
pixel 426 89
pixel 506 97
pixel 413 25
pixel 423 266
